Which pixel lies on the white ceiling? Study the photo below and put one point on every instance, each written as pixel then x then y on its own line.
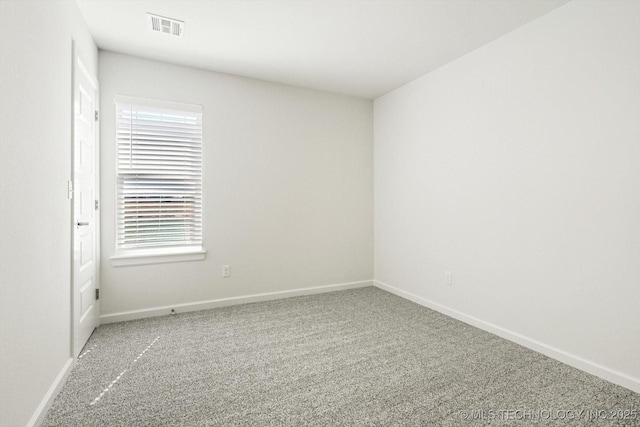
pixel 362 48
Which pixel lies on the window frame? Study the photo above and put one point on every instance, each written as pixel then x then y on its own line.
pixel 159 254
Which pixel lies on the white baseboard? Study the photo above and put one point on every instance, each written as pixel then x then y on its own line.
pixel 49 397
pixel 578 362
pixel 222 302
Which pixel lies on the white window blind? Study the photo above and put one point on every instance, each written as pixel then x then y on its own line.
pixel 159 175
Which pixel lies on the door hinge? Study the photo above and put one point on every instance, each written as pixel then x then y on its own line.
pixel 97 294
pixel 96 205
pixel 96 115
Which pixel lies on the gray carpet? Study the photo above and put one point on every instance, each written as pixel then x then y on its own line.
pixel 357 357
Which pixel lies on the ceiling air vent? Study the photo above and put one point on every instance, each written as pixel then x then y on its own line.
pixel 165 25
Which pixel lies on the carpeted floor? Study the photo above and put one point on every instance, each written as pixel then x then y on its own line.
pixel 357 357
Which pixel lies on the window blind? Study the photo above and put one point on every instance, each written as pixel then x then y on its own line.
pixel 159 176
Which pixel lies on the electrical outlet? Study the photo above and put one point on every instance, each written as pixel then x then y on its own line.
pixel 226 271
pixel 448 279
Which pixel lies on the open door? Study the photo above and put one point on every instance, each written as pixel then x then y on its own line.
pixel 85 205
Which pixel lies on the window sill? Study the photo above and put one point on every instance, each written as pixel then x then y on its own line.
pixel 158 257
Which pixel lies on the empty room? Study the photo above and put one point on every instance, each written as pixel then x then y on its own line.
pixel 319 212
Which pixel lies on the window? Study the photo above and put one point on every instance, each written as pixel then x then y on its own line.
pixel 159 179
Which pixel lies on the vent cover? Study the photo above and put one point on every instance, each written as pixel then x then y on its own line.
pixel 165 25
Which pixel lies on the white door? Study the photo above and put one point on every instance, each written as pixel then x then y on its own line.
pixel 85 215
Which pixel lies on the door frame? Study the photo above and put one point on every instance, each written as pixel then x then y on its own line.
pixel 77 60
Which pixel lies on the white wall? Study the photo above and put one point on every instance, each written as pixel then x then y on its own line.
pixel 517 168
pixel 35 157
pixel 287 199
